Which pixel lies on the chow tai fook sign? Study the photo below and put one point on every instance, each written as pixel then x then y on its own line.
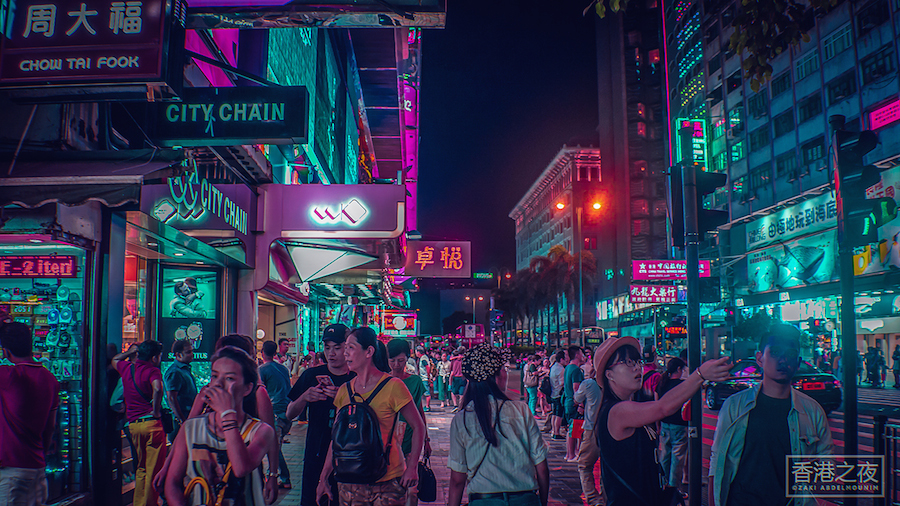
pixel 664 269
pixel 65 42
pixel 438 259
pixel 337 211
pixel 653 294
pixel 233 116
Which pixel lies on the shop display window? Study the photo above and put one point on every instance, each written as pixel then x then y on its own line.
pixel 43 286
pixel 134 322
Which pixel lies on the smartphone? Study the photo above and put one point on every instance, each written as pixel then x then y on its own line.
pixel 324 381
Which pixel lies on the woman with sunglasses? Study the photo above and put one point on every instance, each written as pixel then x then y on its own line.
pixel 626 425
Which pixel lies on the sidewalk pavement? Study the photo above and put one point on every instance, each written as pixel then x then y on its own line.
pixel 565 486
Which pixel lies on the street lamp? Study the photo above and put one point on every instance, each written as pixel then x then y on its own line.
pixel 596 205
pixel 474 299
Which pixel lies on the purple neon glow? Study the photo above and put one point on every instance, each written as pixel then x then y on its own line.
pixel 227 41
pixel 884 115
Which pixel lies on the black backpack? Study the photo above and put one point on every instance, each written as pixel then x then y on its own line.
pixel 357 453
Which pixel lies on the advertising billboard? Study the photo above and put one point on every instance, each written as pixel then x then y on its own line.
pixel 800 262
pixel 88 42
pixel 188 309
pixel 813 215
pixel 438 259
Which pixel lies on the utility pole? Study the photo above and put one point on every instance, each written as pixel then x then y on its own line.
pixel 692 258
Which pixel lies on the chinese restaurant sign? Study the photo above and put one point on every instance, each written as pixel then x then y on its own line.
pixel 438 259
pixel 191 203
pixel 653 294
pixel 85 41
pixel 232 116
pixel 664 269
pixel 337 211
pixel 810 216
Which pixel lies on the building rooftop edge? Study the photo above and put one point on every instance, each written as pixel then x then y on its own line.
pixel 554 164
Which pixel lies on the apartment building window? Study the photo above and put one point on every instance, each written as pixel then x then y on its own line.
pixel 719 128
pixel 807 64
pixel 809 108
pixel 715 96
pixel 760 176
pixel 783 123
pixel 715 63
pixel 739 189
pixel 759 138
pixel 719 162
pixel 734 81
pixel 813 150
pixel 712 32
pixel 786 164
pixel 590 243
pixel 737 151
pixel 781 84
pixel 758 104
pixel 653 56
pixel 837 42
pixel 642 129
pixel 878 65
pixel 872 16
pixel 634 38
pixel 841 87
pixel 736 120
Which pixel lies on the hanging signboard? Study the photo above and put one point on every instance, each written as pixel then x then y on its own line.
pixel 90 42
pixel 653 294
pixel 233 116
pixel 664 269
pixel 438 259
pixel 698 140
pixel 813 215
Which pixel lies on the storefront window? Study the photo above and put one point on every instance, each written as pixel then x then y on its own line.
pixel 134 324
pixel 43 286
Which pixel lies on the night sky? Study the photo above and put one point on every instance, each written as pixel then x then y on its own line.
pixel 504 86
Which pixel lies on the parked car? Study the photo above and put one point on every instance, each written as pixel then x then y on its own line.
pixel 823 387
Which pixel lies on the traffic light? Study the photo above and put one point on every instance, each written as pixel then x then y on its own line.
pixel 858 217
pixel 707 219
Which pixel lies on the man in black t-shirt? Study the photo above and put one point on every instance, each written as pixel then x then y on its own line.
pixel 315 391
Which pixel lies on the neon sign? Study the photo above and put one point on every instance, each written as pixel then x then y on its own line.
pixel 698 140
pixel 884 115
pixel 48 266
pixel 438 259
pixel 352 213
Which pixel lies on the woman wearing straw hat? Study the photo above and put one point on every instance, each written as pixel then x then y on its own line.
pixel 625 427
pixel 495 443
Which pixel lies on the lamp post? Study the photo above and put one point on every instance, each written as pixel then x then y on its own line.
pixel 579 241
pixel 474 299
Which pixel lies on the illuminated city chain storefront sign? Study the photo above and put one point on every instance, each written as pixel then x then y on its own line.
pixel 233 116
pixel 191 203
pixel 86 42
pixel 813 215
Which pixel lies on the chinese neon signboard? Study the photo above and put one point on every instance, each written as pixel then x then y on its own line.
pixel 698 140
pixel 652 294
pixel 884 115
pixel 48 266
pixel 87 41
pixel 337 211
pixel 438 259
pixel 664 269
pixel 815 214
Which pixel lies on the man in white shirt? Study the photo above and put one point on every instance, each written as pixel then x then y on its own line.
pixel 557 378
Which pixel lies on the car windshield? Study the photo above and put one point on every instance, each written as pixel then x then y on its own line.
pixel 746 368
pixel 807 368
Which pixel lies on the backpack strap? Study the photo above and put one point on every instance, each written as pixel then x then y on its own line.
pixel 375 391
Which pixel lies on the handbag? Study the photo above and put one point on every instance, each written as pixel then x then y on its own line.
pixel 199 481
pixel 427 488
pixel 168 421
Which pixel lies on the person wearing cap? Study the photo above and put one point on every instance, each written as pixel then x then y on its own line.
pixel 626 424
pixel 758 427
pixel 495 443
pixel 398 353
pixel 314 392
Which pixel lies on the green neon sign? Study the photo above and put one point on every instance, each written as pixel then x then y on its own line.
pixel 483 275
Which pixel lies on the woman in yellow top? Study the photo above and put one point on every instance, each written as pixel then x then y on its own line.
pixel 367 357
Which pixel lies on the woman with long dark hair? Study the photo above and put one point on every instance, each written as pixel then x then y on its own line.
pixel 495 443
pixel 225 447
pixel 626 425
pixel 367 357
pixel 673 429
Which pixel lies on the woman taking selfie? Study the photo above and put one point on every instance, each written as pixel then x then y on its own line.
pixel 626 423
pixel 495 443
pixel 226 446
pixel 387 397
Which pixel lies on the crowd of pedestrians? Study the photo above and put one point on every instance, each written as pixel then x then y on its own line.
pixel 366 405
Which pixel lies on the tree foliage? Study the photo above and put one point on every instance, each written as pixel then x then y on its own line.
pixel 763 29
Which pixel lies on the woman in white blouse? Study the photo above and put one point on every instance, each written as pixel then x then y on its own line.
pixel 495 443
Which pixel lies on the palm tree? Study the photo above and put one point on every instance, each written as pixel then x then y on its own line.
pixel 561 261
pixel 542 286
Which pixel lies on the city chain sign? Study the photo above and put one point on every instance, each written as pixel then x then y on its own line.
pixel 233 116
pixel 813 215
pixel 53 42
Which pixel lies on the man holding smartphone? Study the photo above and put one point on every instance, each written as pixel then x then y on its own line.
pixel 315 391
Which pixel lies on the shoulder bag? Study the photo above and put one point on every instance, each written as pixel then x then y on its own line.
pixel 199 481
pixel 427 488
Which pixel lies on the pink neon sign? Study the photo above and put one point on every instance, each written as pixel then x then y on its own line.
pixel 884 115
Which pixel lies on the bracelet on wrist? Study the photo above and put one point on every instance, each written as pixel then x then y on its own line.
pixel 226 412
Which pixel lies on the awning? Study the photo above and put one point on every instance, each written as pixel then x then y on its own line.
pixel 73 180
